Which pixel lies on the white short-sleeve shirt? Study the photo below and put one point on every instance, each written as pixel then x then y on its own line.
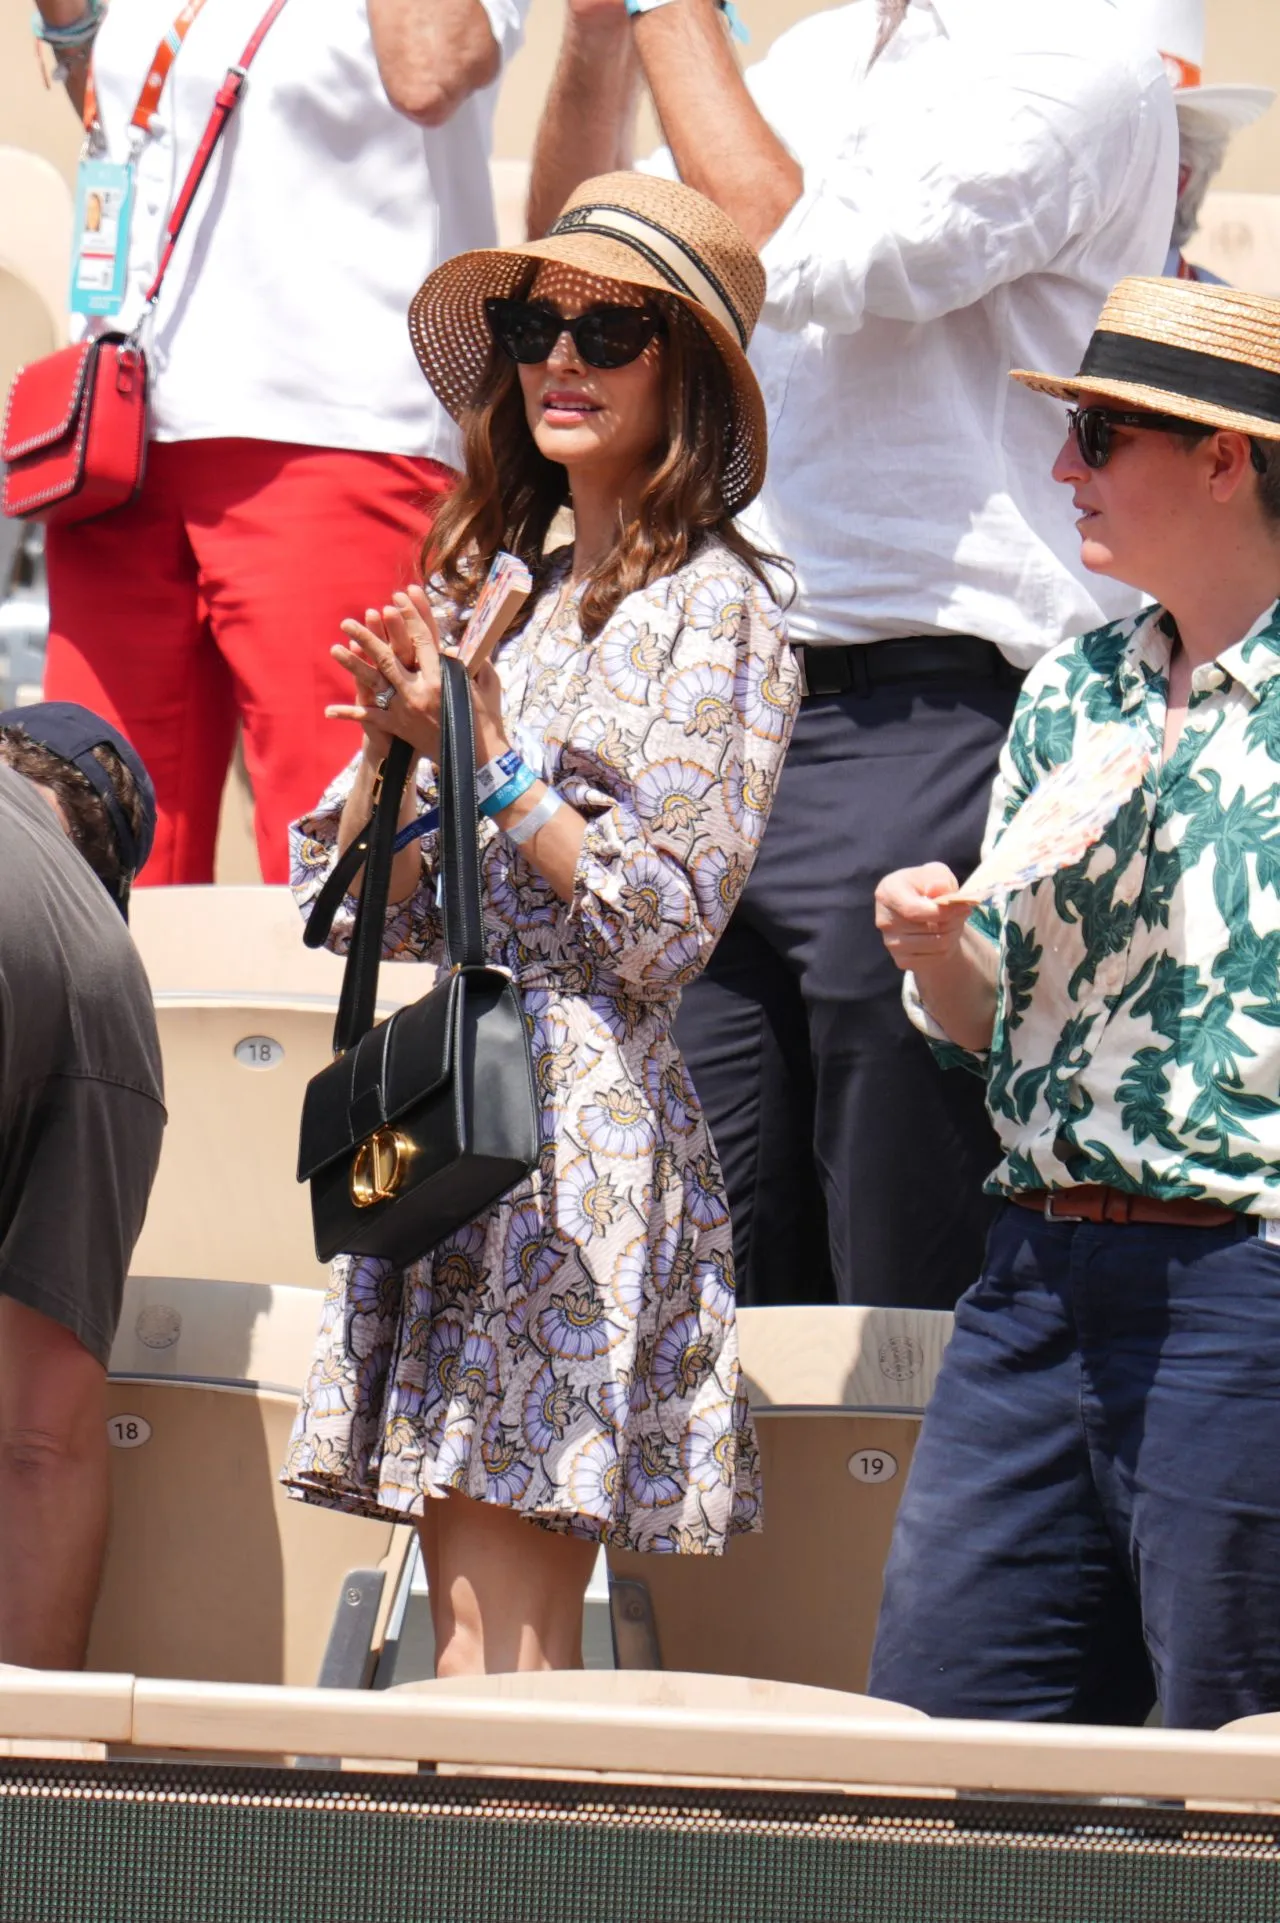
pixel 283 314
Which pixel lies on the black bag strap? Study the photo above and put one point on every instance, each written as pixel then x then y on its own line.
pixel 373 849
pixel 464 944
pixel 360 977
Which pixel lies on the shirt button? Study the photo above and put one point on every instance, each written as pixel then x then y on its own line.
pixel 1207 678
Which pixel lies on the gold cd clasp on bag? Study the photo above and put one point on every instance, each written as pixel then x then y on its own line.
pixel 379 1167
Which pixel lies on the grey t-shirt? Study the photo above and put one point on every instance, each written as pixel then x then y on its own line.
pixel 81 1091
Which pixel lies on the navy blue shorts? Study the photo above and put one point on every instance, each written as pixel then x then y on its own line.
pixel 1092 1519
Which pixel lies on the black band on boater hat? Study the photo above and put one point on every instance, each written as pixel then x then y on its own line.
pixel 1183 370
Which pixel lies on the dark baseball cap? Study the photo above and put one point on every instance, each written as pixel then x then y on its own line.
pixel 72 733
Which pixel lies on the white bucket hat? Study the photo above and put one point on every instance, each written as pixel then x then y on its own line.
pixel 1176 27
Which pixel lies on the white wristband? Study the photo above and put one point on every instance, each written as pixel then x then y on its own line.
pixel 536 818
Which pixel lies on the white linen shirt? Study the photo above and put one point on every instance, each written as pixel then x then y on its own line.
pixel 969 201
pixel 283 316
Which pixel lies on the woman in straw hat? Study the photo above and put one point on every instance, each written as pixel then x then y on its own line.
pixel 1094 1491
pixel 570 1359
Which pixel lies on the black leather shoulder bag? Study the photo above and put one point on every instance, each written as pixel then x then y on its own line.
pixel 427 1118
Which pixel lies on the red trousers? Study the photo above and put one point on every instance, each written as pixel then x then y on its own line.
pixel 215 598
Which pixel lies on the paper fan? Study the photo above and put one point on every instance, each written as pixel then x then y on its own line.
pixel 1064 816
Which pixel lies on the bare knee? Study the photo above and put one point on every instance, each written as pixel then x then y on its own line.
pixel 29 1455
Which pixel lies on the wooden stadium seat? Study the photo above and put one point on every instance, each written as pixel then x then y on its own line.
pixel 213 1573
pixel 1265 1723
pixel 669 1689
pixel 245 1014
pixel 227 1201
pixel 838 1394
pixel 243 943
pixel 35 255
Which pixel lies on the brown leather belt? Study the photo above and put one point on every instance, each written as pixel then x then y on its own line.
pixel 1095 1202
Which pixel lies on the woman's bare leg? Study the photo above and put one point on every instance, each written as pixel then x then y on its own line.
pixel 505 1594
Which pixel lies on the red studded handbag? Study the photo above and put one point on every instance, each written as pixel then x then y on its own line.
pixel 75 431
pixel 74 440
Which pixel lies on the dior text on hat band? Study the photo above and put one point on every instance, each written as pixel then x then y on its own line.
pixel 661 250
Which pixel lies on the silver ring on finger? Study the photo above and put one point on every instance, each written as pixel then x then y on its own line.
pixel 384 698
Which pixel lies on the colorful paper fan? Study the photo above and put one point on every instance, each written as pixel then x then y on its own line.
pixel 1063 816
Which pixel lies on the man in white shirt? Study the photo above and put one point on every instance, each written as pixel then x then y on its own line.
pixel 939 189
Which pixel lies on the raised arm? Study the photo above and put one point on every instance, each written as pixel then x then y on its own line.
pixel 970 176
pixel 587 120
pixel 73 61
pixel 719 139
pixel 433 54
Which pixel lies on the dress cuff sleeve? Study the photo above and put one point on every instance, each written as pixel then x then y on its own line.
pixel 814 267
pixel 949 1054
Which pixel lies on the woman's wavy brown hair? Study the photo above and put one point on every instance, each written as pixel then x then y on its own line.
pixel 510 493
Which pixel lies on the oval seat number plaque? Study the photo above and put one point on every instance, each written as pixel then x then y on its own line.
pixel 259 1051
pixel 873 1465
pixel 128 1432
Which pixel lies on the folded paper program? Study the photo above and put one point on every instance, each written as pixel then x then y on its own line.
pixel 499 601
pixel 1063 817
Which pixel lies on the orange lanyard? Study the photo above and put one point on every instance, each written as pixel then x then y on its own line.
pixel 157 74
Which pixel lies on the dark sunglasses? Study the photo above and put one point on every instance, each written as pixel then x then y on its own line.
pixel 1094 429
pixel 605 336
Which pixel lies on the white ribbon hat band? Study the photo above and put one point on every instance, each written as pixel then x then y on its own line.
pixel 682 269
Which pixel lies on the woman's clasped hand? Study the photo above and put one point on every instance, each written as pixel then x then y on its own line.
pixel 394 659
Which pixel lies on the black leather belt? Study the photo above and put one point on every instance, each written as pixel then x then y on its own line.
pixel 870 664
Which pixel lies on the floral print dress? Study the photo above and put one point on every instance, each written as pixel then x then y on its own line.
pixel 572 1353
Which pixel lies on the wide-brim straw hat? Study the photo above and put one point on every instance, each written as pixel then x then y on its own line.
pixel 1208 354
pixel 650 232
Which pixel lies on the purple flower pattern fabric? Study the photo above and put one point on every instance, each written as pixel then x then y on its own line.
pixel 572 1354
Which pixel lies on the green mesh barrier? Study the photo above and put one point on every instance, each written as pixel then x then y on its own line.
pixel 186 1843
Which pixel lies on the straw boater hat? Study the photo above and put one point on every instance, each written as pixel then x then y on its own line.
pixel 630 227
pixel 1176 28
pixel 1209 354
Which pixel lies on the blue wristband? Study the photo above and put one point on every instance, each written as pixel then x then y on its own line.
pixel 77 33
pixel 519 782
pixel 496 774
pixel 734 19
pixel 522 778
pixel 424 825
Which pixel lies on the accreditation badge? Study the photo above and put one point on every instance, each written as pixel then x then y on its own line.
pixel 100 240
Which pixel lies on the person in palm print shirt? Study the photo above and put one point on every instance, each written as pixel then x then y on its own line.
pixel 1093 1519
